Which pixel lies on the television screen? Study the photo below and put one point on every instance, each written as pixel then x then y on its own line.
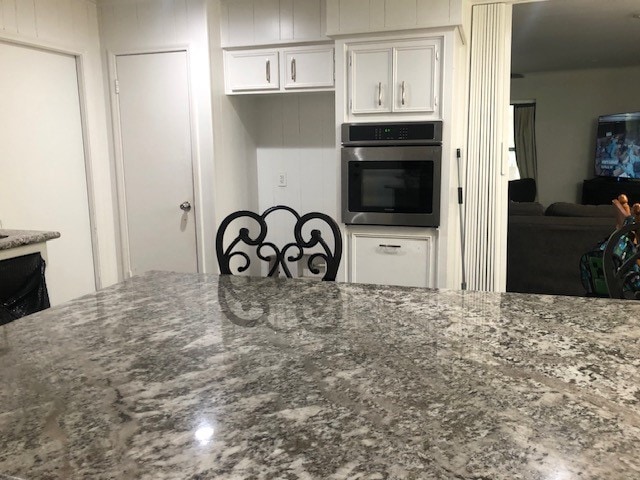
pixel 618 146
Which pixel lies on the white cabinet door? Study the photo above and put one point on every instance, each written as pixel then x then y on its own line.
pixel 399 77
pixel 308 67
pixel 391 260
pixel 415 78
pixel 251 70
pixel 371 80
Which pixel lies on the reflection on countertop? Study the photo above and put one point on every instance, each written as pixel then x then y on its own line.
pixel 171 375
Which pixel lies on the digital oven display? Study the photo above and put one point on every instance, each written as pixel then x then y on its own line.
pixel 415 131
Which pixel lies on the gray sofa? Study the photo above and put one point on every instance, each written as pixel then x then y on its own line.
pixel 544 246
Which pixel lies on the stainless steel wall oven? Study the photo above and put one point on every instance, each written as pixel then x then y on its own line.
pixel 391 173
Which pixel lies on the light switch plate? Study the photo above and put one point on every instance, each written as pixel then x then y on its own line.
pixel 282 179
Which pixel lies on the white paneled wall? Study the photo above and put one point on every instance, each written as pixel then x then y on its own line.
pixel 365 16
pixel 145 24
pixel 156 25
pixel 65 22
pixel 261 22
pixel 71 26
pixel 296 138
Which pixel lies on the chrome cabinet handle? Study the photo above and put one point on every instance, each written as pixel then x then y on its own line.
pixel 268 68
pixel 403 92
pixel 379 93
pixel 185 206
pixel 293 69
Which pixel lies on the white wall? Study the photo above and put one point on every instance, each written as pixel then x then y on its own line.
pixel 152 25
pixel 71 26
pixel 296 138
pixel 236 185
pixel 568 104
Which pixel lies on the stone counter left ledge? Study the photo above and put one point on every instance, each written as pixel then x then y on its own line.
pixel 17 238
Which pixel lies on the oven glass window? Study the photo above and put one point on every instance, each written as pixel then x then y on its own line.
pixel 391 186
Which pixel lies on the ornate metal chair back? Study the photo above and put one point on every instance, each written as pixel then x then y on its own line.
pixel 279 257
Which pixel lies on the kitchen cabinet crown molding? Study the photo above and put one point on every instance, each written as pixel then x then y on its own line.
pixel 279 44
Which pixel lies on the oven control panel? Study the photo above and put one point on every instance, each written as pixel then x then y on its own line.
pixel 391 133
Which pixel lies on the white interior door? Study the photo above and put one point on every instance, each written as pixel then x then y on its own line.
pixel 155 130
pixel 43 183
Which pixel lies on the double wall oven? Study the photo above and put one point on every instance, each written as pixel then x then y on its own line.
pixel 391 173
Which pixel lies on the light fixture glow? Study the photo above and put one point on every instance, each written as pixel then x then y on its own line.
pixel 204 434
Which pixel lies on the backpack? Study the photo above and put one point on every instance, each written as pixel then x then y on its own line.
pixel 592 272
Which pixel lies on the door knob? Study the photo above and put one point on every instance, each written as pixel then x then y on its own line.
pixel 185 206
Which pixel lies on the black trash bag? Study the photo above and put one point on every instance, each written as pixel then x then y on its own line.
pixel 23 290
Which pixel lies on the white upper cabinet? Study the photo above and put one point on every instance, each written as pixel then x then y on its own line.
pixel 267 22
pixel 303 68
pixel 308 67
pixel 366 16
pixel 398 77
pixel 251 70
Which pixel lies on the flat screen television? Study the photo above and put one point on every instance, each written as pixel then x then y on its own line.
pixel 618 146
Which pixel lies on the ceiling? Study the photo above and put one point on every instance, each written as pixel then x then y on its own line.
pixel 575 34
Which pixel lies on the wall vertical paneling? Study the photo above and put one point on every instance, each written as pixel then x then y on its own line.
pixel 80 18
pixel 296 137
pixel 26 18
pixel 486 182
pixel 9 16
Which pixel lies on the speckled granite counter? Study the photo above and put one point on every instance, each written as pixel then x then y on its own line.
pixel 16 238
pixel 177 376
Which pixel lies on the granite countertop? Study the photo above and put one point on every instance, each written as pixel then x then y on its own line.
pixel 185 376
pixel 17 238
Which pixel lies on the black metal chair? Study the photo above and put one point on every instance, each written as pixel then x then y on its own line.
pixel 620 271
pixel 278 257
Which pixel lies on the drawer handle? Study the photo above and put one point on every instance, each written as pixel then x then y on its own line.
pixel 384 245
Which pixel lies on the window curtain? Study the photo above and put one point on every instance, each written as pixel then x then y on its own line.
pixel 524 119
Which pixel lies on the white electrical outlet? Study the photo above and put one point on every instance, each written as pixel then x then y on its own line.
pixel 282 179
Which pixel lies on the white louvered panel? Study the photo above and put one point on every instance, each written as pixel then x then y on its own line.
pixel 486 185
